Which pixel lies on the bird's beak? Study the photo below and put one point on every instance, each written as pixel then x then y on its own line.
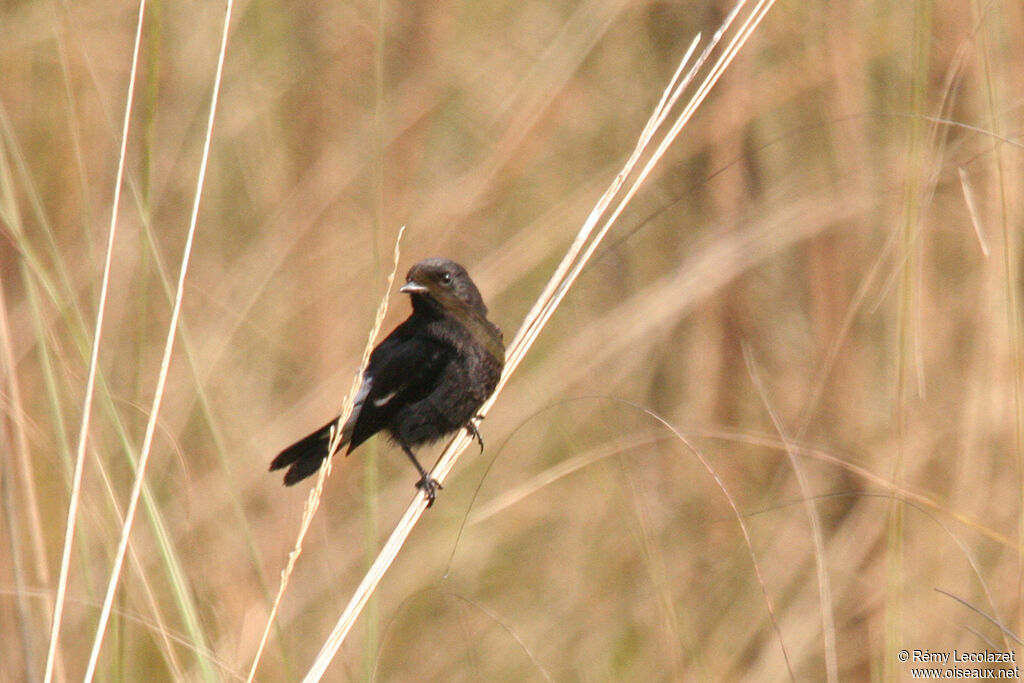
pixel 412 287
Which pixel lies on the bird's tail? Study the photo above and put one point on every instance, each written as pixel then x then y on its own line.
pixel 303 458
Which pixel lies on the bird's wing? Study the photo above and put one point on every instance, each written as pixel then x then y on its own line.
pixel 402 370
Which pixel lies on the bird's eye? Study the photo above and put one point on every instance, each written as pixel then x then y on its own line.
pixel 446 278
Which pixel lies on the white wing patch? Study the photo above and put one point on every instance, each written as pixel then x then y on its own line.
pixel 383 400
pixel 361 395
pixel 357 405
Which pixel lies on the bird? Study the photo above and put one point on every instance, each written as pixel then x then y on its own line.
pixel 427 379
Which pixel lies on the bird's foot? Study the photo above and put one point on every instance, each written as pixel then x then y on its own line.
pixel 429 485
pixel 475 433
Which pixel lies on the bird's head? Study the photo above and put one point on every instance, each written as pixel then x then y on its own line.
pixel 442 288
pixel 443 285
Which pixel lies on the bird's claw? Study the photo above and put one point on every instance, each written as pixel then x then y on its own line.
pixel 475 433
pixel 429 486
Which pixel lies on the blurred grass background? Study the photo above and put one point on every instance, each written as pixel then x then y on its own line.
pixel 840 224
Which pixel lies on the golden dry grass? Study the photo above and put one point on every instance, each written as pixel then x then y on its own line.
pixel 820 290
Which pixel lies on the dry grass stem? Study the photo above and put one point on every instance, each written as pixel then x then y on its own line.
pixel 172 330
pixel 313 501
pixel 972 210
pixel 90 382
pixel 824 585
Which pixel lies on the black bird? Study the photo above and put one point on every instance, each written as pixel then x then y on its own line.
pixel 426 380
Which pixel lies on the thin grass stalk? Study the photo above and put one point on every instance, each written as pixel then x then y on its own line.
pixel 972 210
pixel 371 459
pixel 313 501
pixel 511 495
pixel 740 520
pixel 90 383
pixel 556 289
pixel 905 331
pixel 1011 268
pixel 161 629
pixel 25 468
pixel 154 412
pixel 17 446
pixel 176 573
pixel 14 445
pixel 828 620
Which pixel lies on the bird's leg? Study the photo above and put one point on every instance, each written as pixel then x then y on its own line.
pixel 427 484
pixel 475 433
